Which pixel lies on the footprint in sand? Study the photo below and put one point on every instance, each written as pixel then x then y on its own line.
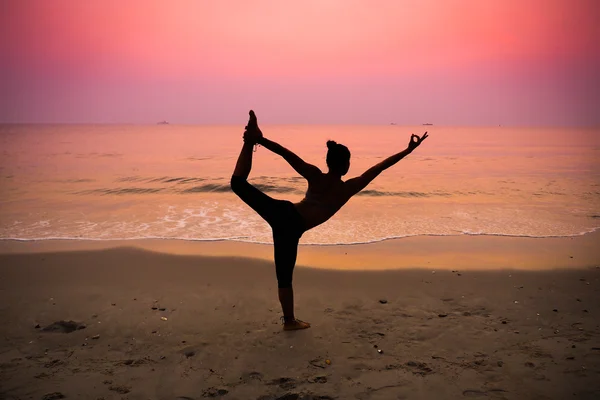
pixel 318 379
pixel 296 396
pixel 483 393
pixel 214 392
pixel 284 383
pixel 474 393
pixel 418 368
pixel 249 376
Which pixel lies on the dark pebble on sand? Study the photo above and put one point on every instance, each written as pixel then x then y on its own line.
pixel 375 345
pixel 570 358
pixel 573 346
pixel 113 304
pixel 162 309
pixel 442 315
pixel 154 331
pixel 500 363
pixel 189 354
pixel 579 300
pixel 504 322
pixel 530 364
pixel 154 308
pixel 183 341
pixel 383 301
pixel 555 310
pixel 64 326
pixel 37 326
pixel 585 311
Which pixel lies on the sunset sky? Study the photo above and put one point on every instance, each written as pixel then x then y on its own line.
pixel 448 62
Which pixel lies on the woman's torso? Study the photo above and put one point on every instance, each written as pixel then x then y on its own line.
pixel 324 197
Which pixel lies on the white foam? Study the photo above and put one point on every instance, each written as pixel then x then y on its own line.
pixel 247 239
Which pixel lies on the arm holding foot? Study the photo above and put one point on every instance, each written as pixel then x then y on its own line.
pixel 254 135
pixel 302 167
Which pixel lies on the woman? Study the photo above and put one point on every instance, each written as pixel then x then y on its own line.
pixel 326 194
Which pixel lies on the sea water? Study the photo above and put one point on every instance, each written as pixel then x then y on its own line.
pixel 100 182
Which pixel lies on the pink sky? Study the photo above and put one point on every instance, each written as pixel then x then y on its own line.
pixel 449 62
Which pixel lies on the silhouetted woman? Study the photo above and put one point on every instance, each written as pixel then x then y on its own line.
pixel 326 194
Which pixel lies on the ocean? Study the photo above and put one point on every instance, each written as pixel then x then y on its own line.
pixel 106 182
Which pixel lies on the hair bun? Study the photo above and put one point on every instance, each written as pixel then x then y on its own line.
pixel 331 144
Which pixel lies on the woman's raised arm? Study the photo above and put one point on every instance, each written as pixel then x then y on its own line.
pixel 357 184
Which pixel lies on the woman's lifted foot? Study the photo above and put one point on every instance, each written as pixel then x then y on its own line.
pixel 294 324
pixel 253 133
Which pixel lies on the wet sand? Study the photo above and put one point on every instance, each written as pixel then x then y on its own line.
pixel 444 333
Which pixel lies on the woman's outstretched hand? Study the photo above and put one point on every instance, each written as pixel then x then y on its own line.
pixel 415 141
pixel 253 133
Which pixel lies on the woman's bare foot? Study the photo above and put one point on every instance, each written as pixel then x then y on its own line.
pixel 294 325
pixel 253 133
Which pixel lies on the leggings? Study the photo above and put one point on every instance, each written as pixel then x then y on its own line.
pixel 286 223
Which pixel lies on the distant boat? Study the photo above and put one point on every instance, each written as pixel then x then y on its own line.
pixel 427 124
pixel 393 123
pixel 162 123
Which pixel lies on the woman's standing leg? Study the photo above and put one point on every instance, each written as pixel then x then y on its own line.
pixel 286 251
pixel 285 244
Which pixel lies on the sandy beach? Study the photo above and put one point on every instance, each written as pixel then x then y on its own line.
pixel 186 321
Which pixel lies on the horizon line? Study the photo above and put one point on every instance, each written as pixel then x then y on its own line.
pixel 425 125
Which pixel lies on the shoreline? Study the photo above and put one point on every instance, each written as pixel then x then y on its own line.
pixel 460 252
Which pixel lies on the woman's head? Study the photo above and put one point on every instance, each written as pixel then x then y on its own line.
pixel 338 157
